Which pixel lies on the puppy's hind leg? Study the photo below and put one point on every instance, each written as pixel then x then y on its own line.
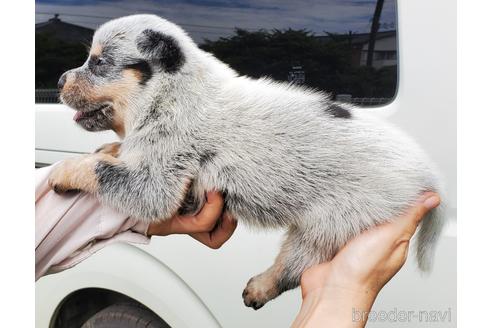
pixel 299 251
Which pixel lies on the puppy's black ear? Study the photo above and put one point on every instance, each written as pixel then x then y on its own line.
pixel 161 48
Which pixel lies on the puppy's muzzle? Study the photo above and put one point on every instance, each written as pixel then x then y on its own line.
pixel 62 81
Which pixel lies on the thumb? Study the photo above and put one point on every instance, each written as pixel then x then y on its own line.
pixel 411 219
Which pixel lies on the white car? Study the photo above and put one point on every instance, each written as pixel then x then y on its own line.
pixel 185 284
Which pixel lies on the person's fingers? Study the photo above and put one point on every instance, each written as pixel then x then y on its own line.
pixel 375 256
pixel 218 236
pixel 224 230
pixel 314 277
pixel 205 220
pixel 160 228
pixel 409 221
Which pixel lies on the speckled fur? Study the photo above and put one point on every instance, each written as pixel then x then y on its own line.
pixel 284 156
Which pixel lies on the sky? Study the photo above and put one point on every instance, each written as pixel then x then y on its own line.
pixel 211 19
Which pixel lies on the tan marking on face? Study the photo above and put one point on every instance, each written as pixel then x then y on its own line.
pixel 69 81
pixel 96 50
pixel 117 92
pixel 76 87
pixel 135 72
pixel 70 78
pixel 78 173
pixel 119 122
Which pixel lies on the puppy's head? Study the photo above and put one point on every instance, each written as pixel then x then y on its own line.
pixel 128 55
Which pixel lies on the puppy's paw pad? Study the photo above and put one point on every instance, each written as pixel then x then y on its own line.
pixel 59 179
pixel 57 186
pixel 258 292
pixel 59 189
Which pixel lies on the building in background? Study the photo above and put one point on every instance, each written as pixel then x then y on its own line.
pixel 384 50
pixel 60 46
pixel 65 32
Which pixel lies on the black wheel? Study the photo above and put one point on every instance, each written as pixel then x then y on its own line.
pixel 125 316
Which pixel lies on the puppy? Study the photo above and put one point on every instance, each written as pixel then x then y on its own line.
pixel 284 156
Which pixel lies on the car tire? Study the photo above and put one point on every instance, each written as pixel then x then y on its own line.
pixel 125 316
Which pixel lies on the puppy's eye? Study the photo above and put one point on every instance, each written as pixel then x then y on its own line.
pixel 98 65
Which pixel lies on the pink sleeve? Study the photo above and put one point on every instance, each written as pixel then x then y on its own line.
pixel 71 227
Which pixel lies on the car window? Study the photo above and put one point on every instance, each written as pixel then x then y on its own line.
pixel 345 47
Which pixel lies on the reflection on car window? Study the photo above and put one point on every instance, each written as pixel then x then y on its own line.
pixel 345 47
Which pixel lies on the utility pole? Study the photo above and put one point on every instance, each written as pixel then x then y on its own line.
pixel 374 31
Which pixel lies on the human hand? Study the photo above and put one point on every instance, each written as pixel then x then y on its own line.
pixel 210 226
pixel 354 277
pixel 371 259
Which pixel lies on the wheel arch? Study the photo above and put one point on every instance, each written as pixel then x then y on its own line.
pixel 77 307
pixel 129 271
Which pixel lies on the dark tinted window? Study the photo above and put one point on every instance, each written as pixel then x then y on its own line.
pixel 325 44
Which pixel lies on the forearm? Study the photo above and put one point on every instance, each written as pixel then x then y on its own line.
pixel 335 307
pixel 140 192
pixel 71 227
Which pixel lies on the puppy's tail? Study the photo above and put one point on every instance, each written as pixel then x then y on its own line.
pixel 430 230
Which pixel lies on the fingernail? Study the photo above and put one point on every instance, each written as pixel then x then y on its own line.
pixel 431 202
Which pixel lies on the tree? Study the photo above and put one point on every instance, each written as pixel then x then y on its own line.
pixel 325 60
pixel 274 53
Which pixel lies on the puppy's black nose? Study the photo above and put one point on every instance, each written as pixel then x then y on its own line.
pixel 61 81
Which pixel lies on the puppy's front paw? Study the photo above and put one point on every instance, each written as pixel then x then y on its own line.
pixel 259 290
pixel 60 178
pixel 112 149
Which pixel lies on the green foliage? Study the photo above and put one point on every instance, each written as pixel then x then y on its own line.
pixel 326 61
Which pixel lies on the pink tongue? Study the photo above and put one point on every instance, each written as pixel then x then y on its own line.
pixel 77 116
